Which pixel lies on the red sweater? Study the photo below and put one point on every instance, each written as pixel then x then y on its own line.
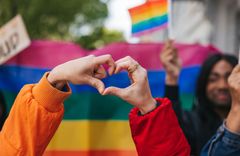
pixel 158 132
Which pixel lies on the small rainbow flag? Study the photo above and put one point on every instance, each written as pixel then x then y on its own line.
pixel 148 17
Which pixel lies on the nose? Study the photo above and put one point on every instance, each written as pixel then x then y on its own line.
pixel 223 83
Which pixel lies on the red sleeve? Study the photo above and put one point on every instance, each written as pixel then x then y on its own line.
pixel 158 132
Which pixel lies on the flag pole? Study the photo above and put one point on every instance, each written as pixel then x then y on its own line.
pixel 170 23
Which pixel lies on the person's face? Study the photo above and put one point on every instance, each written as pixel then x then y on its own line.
pixel 217 87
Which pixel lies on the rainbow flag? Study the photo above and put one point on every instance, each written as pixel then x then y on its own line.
pixel 148 17
pixel 96 125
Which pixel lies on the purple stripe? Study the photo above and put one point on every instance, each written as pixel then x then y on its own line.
pixel 150 30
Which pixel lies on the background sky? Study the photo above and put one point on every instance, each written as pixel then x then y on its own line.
pixel 119 18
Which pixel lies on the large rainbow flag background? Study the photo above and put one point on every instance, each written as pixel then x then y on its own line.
pixel 148 17
pixel 96 125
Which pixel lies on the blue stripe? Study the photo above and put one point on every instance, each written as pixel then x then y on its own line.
pixel 149 24
pixel 12 78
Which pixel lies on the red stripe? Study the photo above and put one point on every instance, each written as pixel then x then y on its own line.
pixel 147 7
pixel 90 153
pixel 157 1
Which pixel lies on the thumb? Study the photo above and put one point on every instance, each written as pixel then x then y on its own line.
pixel 96 83
pixel 114 91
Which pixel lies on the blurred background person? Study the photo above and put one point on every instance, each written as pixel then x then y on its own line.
pixel 212 97
pixel 227 139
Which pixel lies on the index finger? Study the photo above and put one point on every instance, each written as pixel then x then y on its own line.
pixel 106 59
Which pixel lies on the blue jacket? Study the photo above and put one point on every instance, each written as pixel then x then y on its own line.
pixel 223 143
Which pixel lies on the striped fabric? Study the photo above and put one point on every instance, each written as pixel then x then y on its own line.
pixel 149 17
pixel 96 125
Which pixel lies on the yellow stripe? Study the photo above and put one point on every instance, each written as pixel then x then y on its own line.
pixel 92 135
pixel 148 14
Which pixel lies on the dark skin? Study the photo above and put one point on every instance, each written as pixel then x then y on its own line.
pixel 217 89
pixel 233 119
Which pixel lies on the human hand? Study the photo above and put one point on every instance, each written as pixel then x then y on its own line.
pixel 171 63
pixel 138 93
pixel 233 118
pixel 234 86
pixel 86 70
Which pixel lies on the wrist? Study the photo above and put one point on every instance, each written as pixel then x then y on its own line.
pixel 171 80
pixel 148 106
pixel 233 119
pixel 55 81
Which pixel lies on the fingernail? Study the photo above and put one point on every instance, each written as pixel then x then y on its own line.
pixel 104 92
pixel 110 71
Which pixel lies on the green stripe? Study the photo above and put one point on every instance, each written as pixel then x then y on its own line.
pixel 150 23
pixel 93 106
pixel 187 101
pixel 90 106
pixel 96 107
pixel 9 98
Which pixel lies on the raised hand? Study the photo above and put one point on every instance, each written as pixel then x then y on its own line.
pixel 138 93
pixel 171 63
pixel 233 119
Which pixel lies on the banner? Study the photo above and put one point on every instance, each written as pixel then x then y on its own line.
pixel 96 125
pixel 13 39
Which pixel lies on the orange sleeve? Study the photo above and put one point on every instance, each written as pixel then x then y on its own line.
pixel 33 120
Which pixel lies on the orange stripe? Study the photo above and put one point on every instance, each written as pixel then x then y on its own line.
pixel 146 7
pixel 148 14
pixel 90 153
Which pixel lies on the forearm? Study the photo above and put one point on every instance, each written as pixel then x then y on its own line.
pixel 33 119
pixel 171 80
pixel 226 141
pixel 158 132
pixel 149 106
pixel 233 119
pixel 172 92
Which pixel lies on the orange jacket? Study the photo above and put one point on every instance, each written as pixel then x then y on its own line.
pixel 33 120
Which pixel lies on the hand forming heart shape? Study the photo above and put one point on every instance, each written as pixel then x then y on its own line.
pixel 138 93
pixel 89 70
